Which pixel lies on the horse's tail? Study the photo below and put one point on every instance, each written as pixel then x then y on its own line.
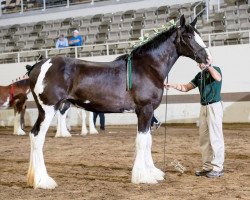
pixel 29 68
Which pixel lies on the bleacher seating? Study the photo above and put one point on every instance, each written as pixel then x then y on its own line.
pixel 122 27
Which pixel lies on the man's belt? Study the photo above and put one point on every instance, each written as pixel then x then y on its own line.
pixel 208 103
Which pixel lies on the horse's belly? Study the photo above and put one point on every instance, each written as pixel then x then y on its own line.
pixel 104 106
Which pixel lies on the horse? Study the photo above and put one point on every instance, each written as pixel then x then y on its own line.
pixel 15 96
pixel 102 87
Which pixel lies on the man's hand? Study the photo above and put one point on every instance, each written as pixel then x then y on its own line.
pixel 179 87
pixel 214 73
pixel 168 85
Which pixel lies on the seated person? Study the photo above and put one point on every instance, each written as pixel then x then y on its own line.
pixel 62 42
pixel 76 40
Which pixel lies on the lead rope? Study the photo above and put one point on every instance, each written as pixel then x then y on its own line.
pixel 165 134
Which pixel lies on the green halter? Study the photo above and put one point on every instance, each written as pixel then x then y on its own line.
pixel 143 40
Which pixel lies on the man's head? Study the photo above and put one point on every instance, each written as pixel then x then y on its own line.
pixel 75 33
pixel 61 37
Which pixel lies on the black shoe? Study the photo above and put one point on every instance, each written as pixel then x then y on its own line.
pixel 157 125
pixel 202 173
pixel 214 174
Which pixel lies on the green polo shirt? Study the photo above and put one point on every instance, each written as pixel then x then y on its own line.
pixel 208 87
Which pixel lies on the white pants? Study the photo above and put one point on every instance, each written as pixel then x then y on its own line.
pixel 211 136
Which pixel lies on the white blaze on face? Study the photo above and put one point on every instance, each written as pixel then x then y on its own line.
pixel 202 44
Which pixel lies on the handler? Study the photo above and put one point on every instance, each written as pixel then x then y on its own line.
pixel 209 82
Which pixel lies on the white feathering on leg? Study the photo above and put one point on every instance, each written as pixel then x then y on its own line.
pixel 140 172
pixel 92 129
pixel 62 130
pixel 84 126
pixel 37 173
pixel 155 172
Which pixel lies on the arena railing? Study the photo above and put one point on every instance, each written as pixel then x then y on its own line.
pixel 102 49
pixel 43 5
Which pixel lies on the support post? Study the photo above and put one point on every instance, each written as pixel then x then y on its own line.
pixel 21 12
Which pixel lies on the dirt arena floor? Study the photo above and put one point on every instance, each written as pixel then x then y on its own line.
pixel 99 166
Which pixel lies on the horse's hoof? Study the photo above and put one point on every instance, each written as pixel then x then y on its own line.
pixel 143 177
pixel 46 183
pixel 93 132
pixel 84 133
pixel 63 134
pixel 20 133
pixel 157 173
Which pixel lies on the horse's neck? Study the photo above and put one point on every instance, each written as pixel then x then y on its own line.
pixel 165 56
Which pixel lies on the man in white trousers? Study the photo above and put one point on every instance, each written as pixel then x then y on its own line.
pixel 209 82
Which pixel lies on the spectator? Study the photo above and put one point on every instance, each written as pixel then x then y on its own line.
pixel 156 122
pixel 76 39
pixel 102 120
pixel 62 42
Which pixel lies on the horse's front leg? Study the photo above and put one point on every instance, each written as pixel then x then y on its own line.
pixel 144 170
pixel 37 173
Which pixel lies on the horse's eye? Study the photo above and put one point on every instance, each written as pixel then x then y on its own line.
pixel 189 36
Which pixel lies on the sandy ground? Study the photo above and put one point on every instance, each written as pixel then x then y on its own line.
pixel 99 166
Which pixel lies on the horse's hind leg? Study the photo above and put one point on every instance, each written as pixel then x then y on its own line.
pixel 19 111
pixel 84 126
pixel 37 174
pixel 92 129
pixel 22 120
pixel 144 170
pixel 62 130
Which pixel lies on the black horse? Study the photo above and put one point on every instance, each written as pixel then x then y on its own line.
pixel 101 87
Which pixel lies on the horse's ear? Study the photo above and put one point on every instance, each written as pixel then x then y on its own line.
pixel 182 21
pixel 193 22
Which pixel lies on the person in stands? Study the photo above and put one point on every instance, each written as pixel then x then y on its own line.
pixel 62 42
pixel 76 39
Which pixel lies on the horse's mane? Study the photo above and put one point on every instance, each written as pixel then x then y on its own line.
pixel 21 82
pixel 30 67
pixel 122 57
pixel 153 43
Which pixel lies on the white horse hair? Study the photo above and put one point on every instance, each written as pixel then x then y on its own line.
pixel 63 130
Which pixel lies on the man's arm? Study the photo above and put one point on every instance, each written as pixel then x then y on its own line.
pixel 66 42
pixel 180 87
pixel 214 73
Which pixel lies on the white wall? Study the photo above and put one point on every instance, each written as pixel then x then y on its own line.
pixel 233 61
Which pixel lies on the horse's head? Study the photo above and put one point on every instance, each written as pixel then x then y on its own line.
pixel 190 44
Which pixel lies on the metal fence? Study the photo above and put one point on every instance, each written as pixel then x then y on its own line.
pixel 21 6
